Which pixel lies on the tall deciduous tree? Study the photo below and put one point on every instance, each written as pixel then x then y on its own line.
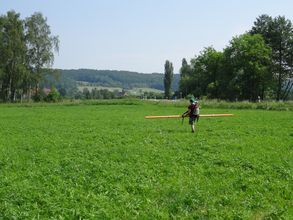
pixel 27 48
pixel 249 58
pixel 201 77
pixel 168 78
pixel 12 56
pixel 41 46
pixel 185 68
pixel 278 34
pixel 206 72
pixel 185 71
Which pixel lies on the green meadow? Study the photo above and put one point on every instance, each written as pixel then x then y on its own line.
pixel 133 91
pixel 105 161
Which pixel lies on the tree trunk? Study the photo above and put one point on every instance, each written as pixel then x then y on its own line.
pixel 29 93
pixel 280 73
pixel 286 89
pixel 287 92
pixel 12 95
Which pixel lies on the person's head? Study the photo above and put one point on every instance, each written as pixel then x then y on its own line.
pixel 191 100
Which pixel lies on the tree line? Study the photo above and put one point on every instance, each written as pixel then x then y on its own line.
pixel 257 64
pixel 27 53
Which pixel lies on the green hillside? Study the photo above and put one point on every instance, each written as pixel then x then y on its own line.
pixel 71 83
pixel 122 79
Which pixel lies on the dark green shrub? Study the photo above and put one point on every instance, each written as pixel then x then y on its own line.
pixel 53 96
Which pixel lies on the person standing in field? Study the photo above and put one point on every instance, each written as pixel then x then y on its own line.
pixel 193 113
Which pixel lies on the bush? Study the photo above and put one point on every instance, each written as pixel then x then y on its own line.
pixel 53 96
pixel 39 96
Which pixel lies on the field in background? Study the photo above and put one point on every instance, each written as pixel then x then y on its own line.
pixel 104 160
pixel 134 91
pixel 263 105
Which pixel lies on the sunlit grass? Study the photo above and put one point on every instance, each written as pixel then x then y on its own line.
pixel 106 161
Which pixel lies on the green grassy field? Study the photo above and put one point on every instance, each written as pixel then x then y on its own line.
pixel 106 161
pixel 134 91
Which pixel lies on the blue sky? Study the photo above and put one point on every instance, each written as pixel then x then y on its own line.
pixel 140 35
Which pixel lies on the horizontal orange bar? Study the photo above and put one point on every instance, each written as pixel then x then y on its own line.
pixel 163 116
pixel 216 115
pixel 179 116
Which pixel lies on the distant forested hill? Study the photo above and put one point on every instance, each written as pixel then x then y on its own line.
pixel 114 78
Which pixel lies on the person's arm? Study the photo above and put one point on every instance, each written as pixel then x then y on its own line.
pixel 186 113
